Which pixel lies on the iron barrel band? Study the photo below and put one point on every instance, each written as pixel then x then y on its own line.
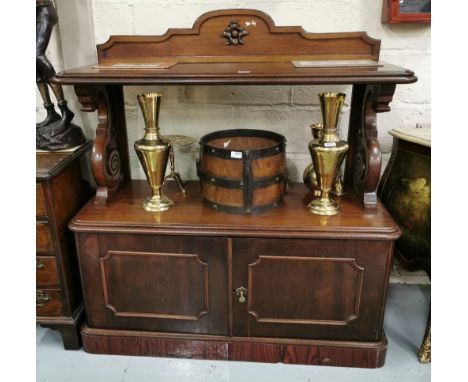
pixel 253 153
pixel 239 184
pixel 242 210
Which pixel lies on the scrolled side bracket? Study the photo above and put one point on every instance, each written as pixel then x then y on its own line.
pixel 364 159
pixel 109 157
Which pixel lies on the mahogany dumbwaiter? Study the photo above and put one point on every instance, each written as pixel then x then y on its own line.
pixel 281 286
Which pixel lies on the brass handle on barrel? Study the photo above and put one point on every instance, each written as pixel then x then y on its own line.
pixel 241 292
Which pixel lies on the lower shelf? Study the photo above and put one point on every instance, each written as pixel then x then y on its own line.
pixel 291 351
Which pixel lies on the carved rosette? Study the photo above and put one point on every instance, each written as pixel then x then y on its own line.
pixel 234 33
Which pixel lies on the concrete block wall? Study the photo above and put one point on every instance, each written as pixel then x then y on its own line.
pixel 289 110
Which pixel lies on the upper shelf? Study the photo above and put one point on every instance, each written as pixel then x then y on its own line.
pixel 236 46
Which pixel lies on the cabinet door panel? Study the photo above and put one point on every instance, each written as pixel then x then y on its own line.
pixel 158 291
pixel 330 296
pixel 160 283
pixel 317 289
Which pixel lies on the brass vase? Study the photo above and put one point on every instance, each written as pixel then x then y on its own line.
pixel 310 176
pixel 153 153
pixel 328 154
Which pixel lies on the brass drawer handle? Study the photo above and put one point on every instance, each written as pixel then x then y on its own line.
pixel 241 292
pixel 39 264
pixel 42 298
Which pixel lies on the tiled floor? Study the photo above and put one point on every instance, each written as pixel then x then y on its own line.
pixel 405 320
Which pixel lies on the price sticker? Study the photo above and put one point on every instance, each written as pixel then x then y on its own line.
pixel 329 144
pixel 236 154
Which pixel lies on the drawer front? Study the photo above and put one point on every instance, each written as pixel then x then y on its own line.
pixel 44 239
pixel 318 289
pixel 40 201
pixel 49 302
pixel 46 272
pixel 160 283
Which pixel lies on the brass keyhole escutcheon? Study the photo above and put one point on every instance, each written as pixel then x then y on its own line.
pixel 241 293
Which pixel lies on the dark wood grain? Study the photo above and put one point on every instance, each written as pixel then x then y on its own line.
pixel 70 337
pixel 109 158
pixel 67 192
pixel 44 244
pixel 50 164
pixel 202 56
pixel 329 288
pixel 317 289
pixel 326 291
pixel 238 73
pixel 364 157
pixel 366 179
pixel 150 282
pixel 67 326
pixel 62 189
pixel 41 211
pixel 190 216
pixel 52 306
pixel 290 351
pixel 264 38
pixel 160 273
pixel 300 283
pixel 46 272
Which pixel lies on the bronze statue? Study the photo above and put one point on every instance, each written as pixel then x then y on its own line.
pixel 55 132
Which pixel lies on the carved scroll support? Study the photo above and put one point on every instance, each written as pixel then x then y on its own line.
pixel 364 159
pixel 109 158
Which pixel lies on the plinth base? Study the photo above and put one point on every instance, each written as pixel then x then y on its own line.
pixel 271 350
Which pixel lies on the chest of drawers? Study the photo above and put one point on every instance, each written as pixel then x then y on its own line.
pixel 61 189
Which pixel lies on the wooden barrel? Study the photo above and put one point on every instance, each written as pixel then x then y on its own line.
pixel 242 171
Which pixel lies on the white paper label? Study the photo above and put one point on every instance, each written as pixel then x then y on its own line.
pixel 329 144
pixel 335 63
pixel 236 154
